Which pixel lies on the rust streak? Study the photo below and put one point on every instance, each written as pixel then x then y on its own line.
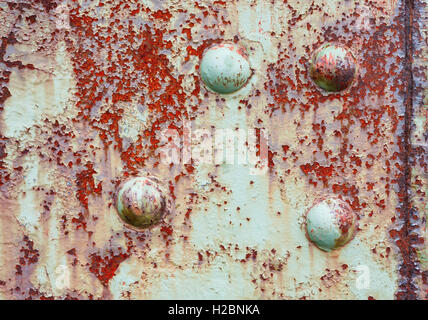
pixel 408 269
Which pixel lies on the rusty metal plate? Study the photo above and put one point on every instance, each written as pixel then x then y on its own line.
pixel 213 149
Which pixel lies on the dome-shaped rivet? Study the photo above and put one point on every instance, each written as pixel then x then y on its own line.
pixel 225 68
pixel 141 202
pixel 331 224
pixel 332 67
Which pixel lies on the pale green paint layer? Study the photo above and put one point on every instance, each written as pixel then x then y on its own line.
pixel 224 69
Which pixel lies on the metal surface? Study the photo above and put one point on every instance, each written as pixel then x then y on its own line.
pixel 141 202
pixel 333 67
pixel 225 68
pixel 95 92
pixel 331 224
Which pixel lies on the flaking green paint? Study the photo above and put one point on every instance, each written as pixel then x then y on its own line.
pixel 225 68
pixel 326 221
pixel 140 202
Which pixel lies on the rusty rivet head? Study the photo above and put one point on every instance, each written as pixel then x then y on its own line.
pixel 141 202
pixel 331 224
pixel 225 68
pixel 333 67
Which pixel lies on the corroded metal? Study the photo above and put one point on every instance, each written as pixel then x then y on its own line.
pixel 90 89
pixel 418 138
pixel 141 202
pixel 333 67
pixel 331 224
pixel 225 68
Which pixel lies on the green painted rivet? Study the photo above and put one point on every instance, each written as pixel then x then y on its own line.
pixel 141 202
pixel 330 224
pixel 225 68
pixel 332 67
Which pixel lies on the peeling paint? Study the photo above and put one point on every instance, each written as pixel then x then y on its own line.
pixel 85 102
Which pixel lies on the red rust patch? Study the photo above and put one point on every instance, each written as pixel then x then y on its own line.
pixel 105 267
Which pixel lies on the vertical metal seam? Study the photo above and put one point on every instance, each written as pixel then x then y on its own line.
pixel 409 264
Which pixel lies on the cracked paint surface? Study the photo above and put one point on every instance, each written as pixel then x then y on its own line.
pixel 88 87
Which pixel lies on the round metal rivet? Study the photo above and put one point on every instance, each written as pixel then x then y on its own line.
pixel 332 67
pixel 141 202
pixel 331 224
pixel 225 68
